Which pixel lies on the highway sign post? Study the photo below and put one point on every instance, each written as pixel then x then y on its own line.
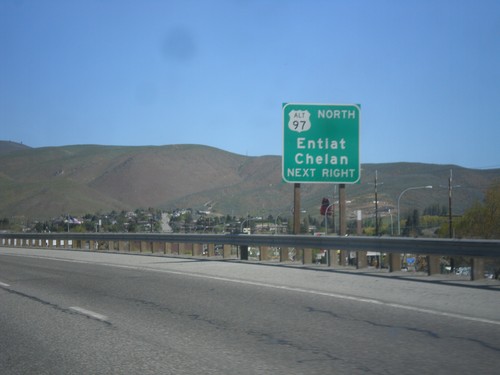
pixel 321 143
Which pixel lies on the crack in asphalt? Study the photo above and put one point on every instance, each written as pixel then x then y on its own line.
pixel 479 342
pixel 192 316
pixel 319 354
pixel 429 333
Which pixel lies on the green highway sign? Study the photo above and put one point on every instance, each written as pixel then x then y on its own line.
pixel 321 143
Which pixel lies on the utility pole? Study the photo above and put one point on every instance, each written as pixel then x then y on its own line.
pixel 376 183
pixel 450 216
pixel 376 205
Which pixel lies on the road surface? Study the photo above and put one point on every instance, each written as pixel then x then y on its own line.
pixel 76 312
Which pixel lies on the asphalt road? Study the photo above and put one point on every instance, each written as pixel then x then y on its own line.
pixel 70 312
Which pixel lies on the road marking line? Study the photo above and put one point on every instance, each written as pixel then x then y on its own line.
pixel 292 289
pixel 89 313
pixel 319 293
pixel 3 284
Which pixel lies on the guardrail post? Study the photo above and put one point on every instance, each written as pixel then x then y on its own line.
pixel 185 247
pixel 330 257
pixel 433 265
pixel 361 261
pixel 168 248
pixel 176 248
pixel 244 252
pixel 226 251
pixel 263 252
pixel 394 262
pixel 197 249
pixel 307 256
pixel 158 247
pixel 284 254
pixel 477 269
pixel 211 250
pixel 344 257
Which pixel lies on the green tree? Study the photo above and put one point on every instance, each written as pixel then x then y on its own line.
pixel 412 226
pixel 482 220
pixel 4 223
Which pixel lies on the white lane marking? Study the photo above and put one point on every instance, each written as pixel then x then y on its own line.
pixel 3 284
pixel 291 289
pixel 319 293
pixel 89 313
pixel 350 298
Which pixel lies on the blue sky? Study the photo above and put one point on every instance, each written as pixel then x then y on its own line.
pixel 214 72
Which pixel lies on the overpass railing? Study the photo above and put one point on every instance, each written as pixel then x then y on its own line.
pixel 332 250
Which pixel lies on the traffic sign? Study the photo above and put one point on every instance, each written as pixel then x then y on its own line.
pixel 321 143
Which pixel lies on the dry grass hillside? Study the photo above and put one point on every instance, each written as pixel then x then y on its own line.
pixel 47 182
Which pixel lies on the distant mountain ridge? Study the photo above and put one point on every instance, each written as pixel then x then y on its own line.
pixel 52 181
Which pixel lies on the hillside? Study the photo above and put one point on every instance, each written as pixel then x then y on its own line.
pixel 7 147
pixel 47 182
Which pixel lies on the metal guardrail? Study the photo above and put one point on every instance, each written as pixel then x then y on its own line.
pixel 424 246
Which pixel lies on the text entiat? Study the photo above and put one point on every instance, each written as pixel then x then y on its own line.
pixel 321 144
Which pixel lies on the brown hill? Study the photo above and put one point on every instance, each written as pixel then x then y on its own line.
pixel 47 182
pixel 9 146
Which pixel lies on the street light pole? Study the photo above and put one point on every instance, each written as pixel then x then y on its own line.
pixel 399 198
pixel 450 188
pixel 450 217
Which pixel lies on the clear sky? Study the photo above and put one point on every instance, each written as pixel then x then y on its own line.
pixel 216 72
